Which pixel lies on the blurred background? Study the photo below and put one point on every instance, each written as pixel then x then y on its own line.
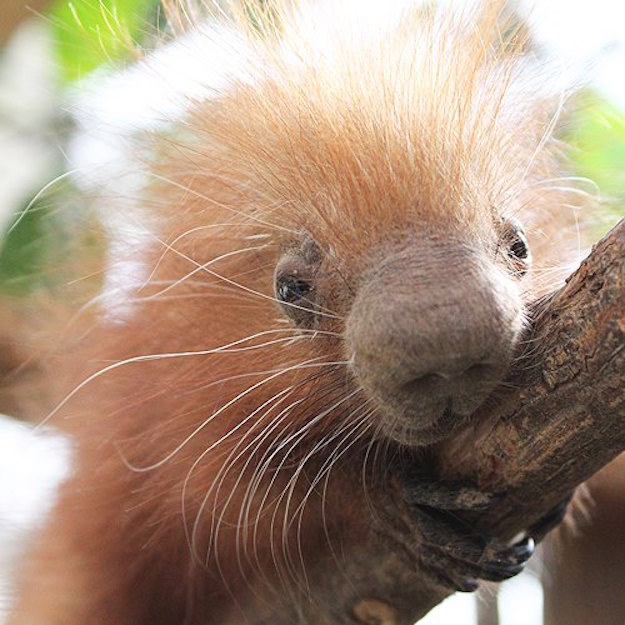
pixel 66 113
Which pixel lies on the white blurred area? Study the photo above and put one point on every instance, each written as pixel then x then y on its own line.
pixel 520 602
pixel 588 38
pixel 32 464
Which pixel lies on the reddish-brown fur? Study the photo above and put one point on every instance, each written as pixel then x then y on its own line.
pixel 219 448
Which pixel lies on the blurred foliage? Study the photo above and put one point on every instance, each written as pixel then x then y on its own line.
pixel 86 34
pixel 597 135
pixel 89 33
pixel 23 251
pixel 34 255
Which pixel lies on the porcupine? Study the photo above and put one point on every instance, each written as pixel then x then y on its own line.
pixel 338 279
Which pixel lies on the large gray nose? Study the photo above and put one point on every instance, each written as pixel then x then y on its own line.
pixel 430 334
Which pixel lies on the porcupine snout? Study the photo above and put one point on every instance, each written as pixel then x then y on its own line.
pixel 431 332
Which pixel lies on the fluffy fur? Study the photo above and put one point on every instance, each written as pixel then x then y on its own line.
pixel 226 453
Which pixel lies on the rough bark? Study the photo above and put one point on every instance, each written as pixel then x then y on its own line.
pixel 564 417
pixel 559 418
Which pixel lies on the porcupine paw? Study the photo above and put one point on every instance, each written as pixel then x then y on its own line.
pixel 451 552
pixel 455 556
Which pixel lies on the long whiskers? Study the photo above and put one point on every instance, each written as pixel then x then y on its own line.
pixel 312 362
pixel 155 357
pixel 287 492
pixel 321 312
pixel 202 267
pixel 355 427
pixel 191 231
pixel 215 486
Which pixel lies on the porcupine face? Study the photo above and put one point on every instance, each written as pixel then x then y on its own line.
pixel 436 352
pixel 408 243
pixel 395 173
pixel 430 310
pixel 431 325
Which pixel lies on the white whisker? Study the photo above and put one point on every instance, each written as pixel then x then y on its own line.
pixel 186 234
pixel 148 358
pixel 38 195
pixel 245 288
pixel 200 268
pixel 217 413
pixel 216 483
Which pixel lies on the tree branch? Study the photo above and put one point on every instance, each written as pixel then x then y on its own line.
pixel 558 419
pixel 565 418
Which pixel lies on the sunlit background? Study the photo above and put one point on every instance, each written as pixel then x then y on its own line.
pixel 59 99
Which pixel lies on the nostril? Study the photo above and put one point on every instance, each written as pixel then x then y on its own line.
pixel 479 371
pixel 433 378
pixel 426 383
pixel 443 381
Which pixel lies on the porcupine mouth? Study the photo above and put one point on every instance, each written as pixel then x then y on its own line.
pixel 441 428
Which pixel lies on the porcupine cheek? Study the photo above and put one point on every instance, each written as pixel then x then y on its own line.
pixel 431 332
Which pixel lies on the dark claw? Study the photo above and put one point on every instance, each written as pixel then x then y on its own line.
pixel 450 550
pixel 468 585
pixel 551 520
pixel 500 562
pixel 500 574
pixel 509 556
pixel 508 562
pixel 522 551
pixel 456 556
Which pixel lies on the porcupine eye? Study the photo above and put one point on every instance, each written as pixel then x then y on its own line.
pixel 295 290
pixel 291 289
pixel 517 247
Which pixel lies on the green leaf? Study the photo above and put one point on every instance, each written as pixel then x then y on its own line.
pixel 88 33
pixel 597 137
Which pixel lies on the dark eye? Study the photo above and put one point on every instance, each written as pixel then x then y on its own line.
pixel 290 288
pixel 515 244
pixel 295 281
pixel 519 247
